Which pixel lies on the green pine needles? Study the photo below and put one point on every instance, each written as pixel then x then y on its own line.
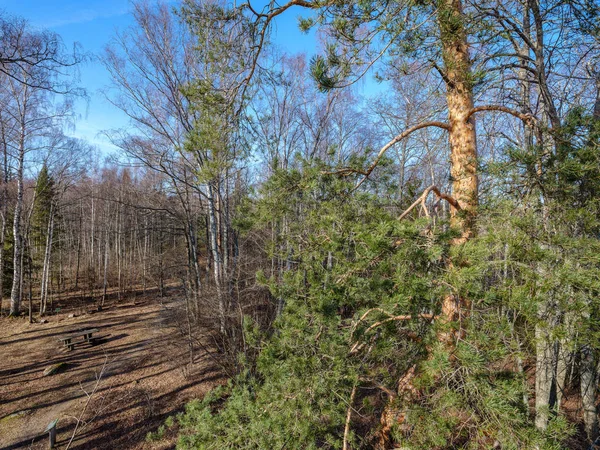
pixel 360 292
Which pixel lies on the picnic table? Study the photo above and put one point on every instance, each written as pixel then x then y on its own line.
pixel 70 340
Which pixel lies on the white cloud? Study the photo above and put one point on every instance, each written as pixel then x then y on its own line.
pixel 82 16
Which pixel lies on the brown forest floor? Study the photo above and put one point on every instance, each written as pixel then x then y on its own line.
pixel 143 382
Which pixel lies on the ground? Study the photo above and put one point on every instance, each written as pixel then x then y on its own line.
pixel 144 376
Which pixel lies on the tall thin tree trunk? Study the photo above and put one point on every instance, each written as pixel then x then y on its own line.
pixel 92 267
pixel 2 237
pixel 589 390
pixel 3 217
pixel 15 295
pixel 30 295
pixel 79 237
pixel 194 260
pixel 46 266
pixel 214 247
pixel 588 367
pixel 161 276
pixel 119 249
pixel 544 371
pixel 105 278
pixel 145 255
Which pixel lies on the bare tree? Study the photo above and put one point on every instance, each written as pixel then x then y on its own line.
pixel 37 59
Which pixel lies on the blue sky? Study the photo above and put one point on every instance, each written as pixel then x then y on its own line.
pixel 92 23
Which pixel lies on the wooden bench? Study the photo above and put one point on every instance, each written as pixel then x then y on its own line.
pixel 86 335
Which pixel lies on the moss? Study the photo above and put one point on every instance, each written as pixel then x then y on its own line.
pixel 56 368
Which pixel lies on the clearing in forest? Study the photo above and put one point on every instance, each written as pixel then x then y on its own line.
pixel 145 377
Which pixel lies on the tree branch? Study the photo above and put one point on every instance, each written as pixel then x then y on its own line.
pixel 89 399
pixel 397 139
pixel 401 318
pixel 421 200
pixel 385 148
pixel 390 318
pixel 348 417
pixel 527 118
pixel 262 34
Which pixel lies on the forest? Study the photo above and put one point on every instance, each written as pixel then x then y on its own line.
pixel 389 241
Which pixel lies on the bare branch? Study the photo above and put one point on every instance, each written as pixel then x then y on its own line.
pixel 385 148
pixel 527 118
pixel 87 403
pixel 421 200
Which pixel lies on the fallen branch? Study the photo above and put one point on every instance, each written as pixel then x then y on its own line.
pixel 363 317
pixel 359 345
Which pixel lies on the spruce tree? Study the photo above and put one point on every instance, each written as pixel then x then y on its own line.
pixel 44 196
pixel 43 231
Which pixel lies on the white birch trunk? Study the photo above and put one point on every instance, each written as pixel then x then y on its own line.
pixel 46 266
pixel 15 295
pixel 214 248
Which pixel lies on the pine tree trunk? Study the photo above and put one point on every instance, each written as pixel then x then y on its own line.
pixel 463 170
pixel 462 137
